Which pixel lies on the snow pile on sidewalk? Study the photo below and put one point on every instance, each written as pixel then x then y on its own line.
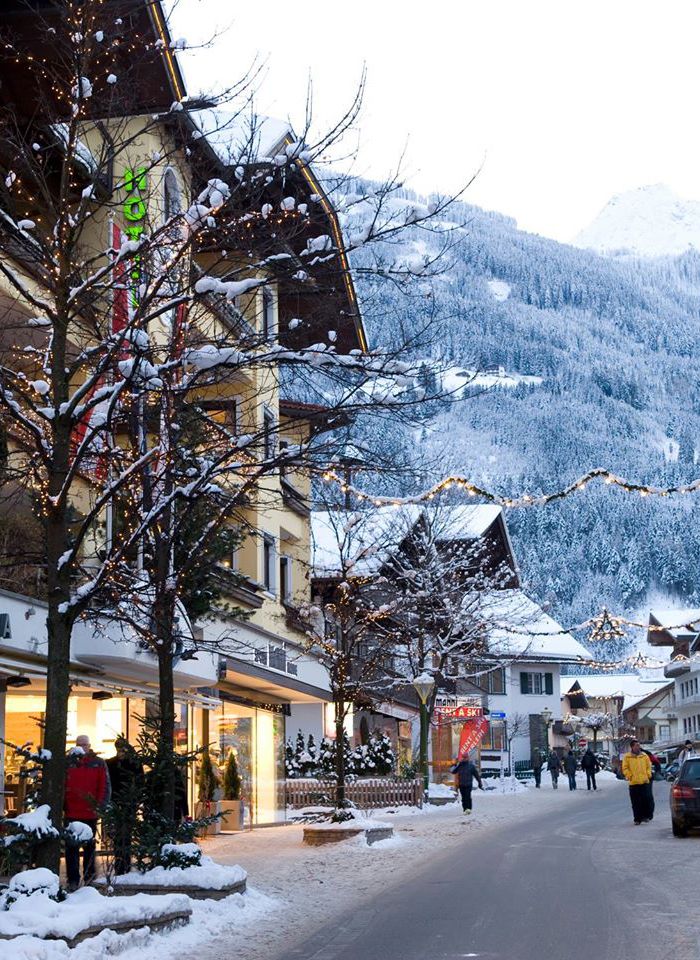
pixel 441 790
pixel 29 907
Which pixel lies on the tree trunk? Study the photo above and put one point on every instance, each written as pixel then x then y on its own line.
pixel 166 735
pixel 595 739
pixel 53 781
pixel 340 754
pixel 58 625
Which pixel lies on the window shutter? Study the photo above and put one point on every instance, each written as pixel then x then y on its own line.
pixel 523 682
pixel 548 684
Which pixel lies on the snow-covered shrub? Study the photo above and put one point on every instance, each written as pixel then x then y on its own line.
pixel 39 883
pixel 181 855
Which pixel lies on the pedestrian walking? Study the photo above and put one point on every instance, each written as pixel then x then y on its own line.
pixel 466 772
pixel 570 766
pixel 590 765
pixel 636 766
pixel 686 753
pixel 127 782
pixel 87 789
pixel 554 767
pixel 537 767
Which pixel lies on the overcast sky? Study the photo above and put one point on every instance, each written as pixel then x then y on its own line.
pixel 562 103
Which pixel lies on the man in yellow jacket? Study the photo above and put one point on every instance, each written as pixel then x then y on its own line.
pixel 636 769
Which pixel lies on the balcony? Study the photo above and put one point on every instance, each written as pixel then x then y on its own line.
pixel 676 668
pixel 292 498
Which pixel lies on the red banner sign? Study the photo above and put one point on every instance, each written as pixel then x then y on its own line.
pixel 472 734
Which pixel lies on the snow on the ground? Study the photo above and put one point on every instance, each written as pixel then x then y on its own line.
pixel 499 289
pixel 312 885
pixel 297 888
pixel 440 790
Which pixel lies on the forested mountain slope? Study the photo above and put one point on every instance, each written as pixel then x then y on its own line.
pixel 616 345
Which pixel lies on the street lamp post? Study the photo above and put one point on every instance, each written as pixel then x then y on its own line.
pixel 424 685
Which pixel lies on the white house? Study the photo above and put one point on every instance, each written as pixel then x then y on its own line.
pixel 527 689
pixel 679 630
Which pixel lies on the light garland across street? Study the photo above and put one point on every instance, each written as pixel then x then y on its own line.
pixel 524 500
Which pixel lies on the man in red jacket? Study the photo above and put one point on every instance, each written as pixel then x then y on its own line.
pixel 87 789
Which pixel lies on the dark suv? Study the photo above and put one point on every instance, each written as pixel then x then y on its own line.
pixel 685 798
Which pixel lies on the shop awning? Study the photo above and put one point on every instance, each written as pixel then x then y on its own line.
pixel 244 673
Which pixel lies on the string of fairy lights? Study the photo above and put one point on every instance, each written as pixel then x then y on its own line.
pixel 605 626
pixel 523 500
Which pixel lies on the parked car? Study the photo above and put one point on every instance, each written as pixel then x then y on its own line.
pixel 685 798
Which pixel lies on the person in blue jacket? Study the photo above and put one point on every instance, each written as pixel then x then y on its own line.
pixel 467 772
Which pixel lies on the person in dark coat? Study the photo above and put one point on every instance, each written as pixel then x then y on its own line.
pixel 466 771
pixel 554 767
pixel 127 779
pixel 589 763
pixel 570 766
pixel 537 767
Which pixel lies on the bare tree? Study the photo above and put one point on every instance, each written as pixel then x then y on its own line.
pixel 134 255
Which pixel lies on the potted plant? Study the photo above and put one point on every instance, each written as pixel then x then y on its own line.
pixel 231 805
pixel 208 787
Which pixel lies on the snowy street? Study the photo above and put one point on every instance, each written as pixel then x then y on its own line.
pixel 538 874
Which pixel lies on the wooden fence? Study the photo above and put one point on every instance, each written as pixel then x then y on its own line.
pixel 365 794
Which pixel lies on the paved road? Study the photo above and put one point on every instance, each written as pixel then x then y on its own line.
pixel 582 883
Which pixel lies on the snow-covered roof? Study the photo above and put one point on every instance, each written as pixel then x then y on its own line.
pixel 359 542
pixel 525 630
pixel 630 686
pixel 466 522
pixel 678 623
pixel 236 137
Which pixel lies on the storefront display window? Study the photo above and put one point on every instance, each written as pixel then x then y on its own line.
pixel 257 738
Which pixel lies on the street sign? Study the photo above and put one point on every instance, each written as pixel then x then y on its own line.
pixel 582 742
pixel 498 715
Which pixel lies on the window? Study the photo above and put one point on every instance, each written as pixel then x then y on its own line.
pixel 268 315
pixel 495 738
pixel 268 434
pixel 172 200
pixel 285 578
pixel 269 564
pixel 277 657
pixel 496 681
pixel 536 683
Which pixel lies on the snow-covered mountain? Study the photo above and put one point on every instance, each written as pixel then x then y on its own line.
pixel 590 360
pixel 650 221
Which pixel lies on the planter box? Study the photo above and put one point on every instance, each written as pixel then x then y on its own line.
pixel 231 814
pixel 317 835
pixel 196 893
pixel 202 809
pixel 73 923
